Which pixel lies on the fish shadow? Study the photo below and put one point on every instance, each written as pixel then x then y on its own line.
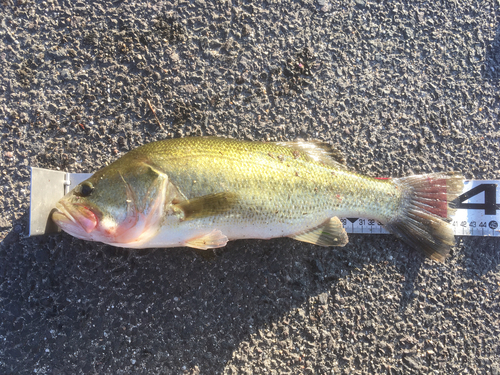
pixel 75 304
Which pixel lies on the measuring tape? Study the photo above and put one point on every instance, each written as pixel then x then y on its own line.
pixel 478 212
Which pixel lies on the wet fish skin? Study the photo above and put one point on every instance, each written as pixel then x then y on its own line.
pixel 203 191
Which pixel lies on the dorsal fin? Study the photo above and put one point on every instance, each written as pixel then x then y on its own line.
pixel 318 151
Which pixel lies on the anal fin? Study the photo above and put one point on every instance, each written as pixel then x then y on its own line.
pixel 211 240
pixel 330 233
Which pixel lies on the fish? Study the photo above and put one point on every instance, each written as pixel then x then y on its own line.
pixel 202 192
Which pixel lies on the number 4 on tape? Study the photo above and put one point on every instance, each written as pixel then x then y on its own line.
pixel 490 205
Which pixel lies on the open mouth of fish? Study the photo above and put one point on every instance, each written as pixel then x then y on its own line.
pixel 75 215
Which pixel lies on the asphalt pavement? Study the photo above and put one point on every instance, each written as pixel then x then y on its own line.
pixel 400 87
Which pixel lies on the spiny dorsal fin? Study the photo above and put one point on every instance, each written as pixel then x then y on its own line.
pixel 207 205
pixel 318 151
pixel 330 233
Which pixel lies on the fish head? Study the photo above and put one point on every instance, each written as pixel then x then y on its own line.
pixel 118 206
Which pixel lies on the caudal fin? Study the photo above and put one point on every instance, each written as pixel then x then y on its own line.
pixel 423 221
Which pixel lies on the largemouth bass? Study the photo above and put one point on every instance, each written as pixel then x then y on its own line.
pixel 203 192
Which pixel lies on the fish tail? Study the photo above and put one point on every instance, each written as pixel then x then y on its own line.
pixel 423 220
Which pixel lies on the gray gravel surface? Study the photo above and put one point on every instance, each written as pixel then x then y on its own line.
pixel 401 87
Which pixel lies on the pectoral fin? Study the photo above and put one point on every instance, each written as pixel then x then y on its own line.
pixel 330 233
pixel 208 205
pixel 211 240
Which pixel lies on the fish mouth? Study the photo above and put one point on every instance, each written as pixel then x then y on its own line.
pixel 73 217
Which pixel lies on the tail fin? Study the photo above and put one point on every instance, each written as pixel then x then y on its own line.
pixel 423 221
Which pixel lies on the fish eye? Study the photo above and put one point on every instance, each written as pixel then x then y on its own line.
pixel 86 189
